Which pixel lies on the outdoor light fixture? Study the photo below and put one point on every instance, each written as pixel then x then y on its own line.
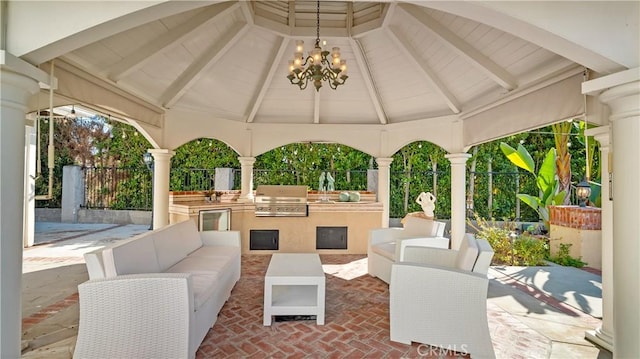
pixel 72 114
pixel 317 67
pixel 583 191
pixel 148 160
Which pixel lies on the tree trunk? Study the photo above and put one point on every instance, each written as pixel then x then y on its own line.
pixel 472 183
pixel 434 170
pixel 517 191
pixel 561 133
pixel 407 187
pixel 490 188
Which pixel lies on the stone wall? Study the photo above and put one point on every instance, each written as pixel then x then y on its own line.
pixel 588 218
pixel 579 227
pixel 96 216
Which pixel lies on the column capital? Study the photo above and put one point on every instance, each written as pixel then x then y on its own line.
pixel 458 158
pixel 601 134
pixel 384 161
pixel 623 100
pixel 16 90
pixel 161 153
pixel 246 161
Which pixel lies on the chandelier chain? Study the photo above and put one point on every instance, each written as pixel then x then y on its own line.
pixel 318 22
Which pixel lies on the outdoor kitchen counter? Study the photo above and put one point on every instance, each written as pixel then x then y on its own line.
pixel 345 206
pixel 296 234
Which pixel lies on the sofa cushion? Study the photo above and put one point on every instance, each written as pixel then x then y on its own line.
pixel 208 265
pixel 137 255
pixel 417 227
pixel 216 251
pixel 176 241
pixel 385 249
pixel 203 287
pixel 467 254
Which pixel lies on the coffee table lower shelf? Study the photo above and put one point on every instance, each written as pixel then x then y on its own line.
pixel 294 300
pixel 300 291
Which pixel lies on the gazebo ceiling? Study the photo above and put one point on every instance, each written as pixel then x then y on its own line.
pixel 405 62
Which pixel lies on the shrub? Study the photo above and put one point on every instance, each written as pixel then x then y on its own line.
pixel 510 248
pixel 564 259
pixel 530 250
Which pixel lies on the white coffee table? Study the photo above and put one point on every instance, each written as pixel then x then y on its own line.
pixel 294 285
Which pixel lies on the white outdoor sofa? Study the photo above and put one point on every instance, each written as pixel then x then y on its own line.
pixel 157 294
pixel 386 245
pixel 439 297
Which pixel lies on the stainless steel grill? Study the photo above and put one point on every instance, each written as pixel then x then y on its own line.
pixel 281 201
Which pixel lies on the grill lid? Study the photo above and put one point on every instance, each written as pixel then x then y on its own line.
pixel 286 201
pixel 281 194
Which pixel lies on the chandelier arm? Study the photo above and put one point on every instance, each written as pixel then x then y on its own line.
pixel 317 71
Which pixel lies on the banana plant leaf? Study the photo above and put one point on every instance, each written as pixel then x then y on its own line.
pixel 596 197
pixel 559 198
pixel 547 173
pixel 519 157
pixel 531 201
pixel 544 214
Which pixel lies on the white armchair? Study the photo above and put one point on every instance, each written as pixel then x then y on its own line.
pixel 387 245
pixel 439 297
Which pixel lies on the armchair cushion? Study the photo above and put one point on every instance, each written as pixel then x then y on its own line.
pixel 467 254
pixel 418 227
pixel 385 249
pixel 485 255
pixel 387 245
pixel 456 318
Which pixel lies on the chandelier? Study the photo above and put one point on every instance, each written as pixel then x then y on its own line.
pixel 317 67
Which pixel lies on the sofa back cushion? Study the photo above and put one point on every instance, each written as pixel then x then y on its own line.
pixel 467 253
pixel 175 241
pixel 136 255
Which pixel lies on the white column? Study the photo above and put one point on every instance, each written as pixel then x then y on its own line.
pixel 29 185
pixel 161 170
pixel 458 198
pixel 384 170
pixel 14 93
pixel 603 335
pixel 624 102
pixel 246 176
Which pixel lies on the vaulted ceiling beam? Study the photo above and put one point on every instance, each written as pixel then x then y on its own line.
pixel 430 76
pixel 365 71
pixel 197 69
pixel 494 71
pixel 292 15
pixel 145 53
pixel 246 11
pixel 267 78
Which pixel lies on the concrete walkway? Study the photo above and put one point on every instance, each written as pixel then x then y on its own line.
pixel 552 306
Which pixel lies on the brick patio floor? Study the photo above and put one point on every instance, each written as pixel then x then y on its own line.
pixel 524 322
pixel 356 323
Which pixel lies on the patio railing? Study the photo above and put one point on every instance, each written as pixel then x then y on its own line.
pixel 493 192
pixel 117 188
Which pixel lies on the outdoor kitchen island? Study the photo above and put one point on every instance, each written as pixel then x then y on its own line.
pixel 326 227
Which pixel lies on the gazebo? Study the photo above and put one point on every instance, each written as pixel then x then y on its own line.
pixel 454 73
